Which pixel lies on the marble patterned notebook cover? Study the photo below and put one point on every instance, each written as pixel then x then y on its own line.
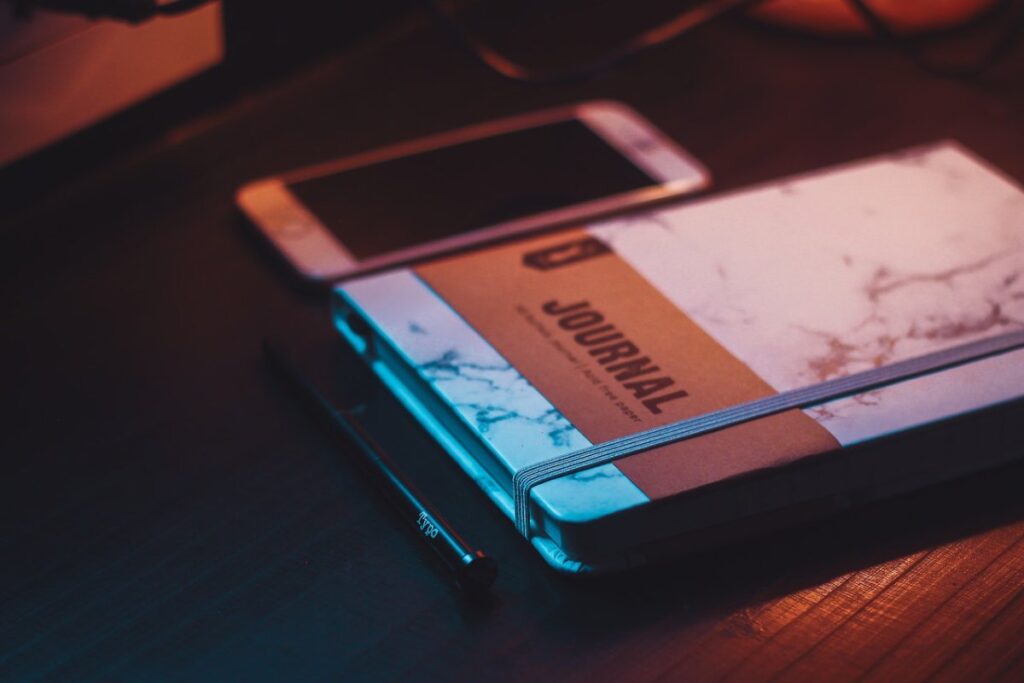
pixel 547 345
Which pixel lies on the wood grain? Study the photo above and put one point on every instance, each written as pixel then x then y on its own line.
pixel 169 513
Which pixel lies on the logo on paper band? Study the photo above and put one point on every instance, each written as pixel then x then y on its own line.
pixel 565 254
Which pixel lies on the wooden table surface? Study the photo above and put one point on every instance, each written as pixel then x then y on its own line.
pixel 169 513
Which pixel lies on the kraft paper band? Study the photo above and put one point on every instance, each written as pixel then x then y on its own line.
pixel 532 475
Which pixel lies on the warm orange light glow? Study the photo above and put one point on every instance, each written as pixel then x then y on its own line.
pixel 837 16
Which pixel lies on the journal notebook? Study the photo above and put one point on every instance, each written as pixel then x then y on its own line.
pixel 902 276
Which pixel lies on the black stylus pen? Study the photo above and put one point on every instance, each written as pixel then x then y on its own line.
pixel 472 568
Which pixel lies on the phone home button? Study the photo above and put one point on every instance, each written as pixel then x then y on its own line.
pixel 291 228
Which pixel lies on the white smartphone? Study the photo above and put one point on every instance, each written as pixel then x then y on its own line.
pixel 451 191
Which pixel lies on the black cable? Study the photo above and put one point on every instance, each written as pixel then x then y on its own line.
pixel 909 49
pixel 179 6
pixel 140 10
pixel 495 60
pixel 132 11
pixel 692 17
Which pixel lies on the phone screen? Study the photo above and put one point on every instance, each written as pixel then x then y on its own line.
pixel 386 206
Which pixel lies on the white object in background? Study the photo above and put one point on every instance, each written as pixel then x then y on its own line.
pixel 60 73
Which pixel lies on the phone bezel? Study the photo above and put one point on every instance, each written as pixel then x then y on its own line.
pixel 317 254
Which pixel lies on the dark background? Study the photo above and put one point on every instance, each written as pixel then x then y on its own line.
pixel 169 513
